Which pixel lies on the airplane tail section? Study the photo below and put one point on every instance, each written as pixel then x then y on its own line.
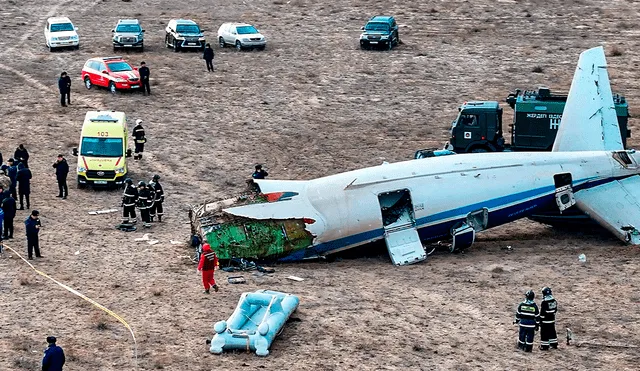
pixel 589 121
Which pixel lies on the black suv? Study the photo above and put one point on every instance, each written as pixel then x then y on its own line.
pixel 380 31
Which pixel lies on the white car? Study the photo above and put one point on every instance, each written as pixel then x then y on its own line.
pixel 59 32
pixel 241 35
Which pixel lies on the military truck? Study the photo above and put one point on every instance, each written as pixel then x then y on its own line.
pixel 537 114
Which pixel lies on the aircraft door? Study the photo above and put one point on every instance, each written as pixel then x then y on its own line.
pixel 564 191
pixel 398 220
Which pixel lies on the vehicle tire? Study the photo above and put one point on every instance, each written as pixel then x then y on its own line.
pixel 112 87
pixel 176 48
pixel 390 45
pixel 221 42
pixel 50 49
pixel 81 185
pixel 141 48
pixel 166 41
pixel 261 48
pixel 115 48
pixel 238 46
pixel 480 149
pixel 87 83
pixel 77 47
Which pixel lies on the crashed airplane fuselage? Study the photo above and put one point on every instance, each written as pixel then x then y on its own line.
pixel 449 197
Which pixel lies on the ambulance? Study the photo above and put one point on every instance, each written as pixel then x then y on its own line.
pixel 102 151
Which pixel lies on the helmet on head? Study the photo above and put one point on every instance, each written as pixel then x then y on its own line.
pixel 156 177
pixel 138 121
pixel 128 181
pixel 530 295
pixel 546 291
pixel 142 184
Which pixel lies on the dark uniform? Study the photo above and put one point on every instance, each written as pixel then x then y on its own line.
pixel 259 173
pixel 527 317
pixel 24 184
pixel 144 77
pixel 144 202
pixel 548 310
pixel 11 171
pixel 62 170
pixel 157 209
pixel 21 155
pixel 53 359
pixel 8 206
pixel 208 57
pixel 139 139
pixel 64 85
pixel 129 199
pixel 32 226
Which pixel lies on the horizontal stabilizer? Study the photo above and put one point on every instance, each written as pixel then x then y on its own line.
pixel 589 121
pixel 615 206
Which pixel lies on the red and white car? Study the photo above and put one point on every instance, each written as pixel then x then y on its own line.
pixel 111 72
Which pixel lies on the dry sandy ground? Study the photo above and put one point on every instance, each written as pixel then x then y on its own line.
pixel 312 104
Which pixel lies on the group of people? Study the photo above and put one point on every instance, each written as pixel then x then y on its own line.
pixel 530 318
pixel 17 170
pixel 146 197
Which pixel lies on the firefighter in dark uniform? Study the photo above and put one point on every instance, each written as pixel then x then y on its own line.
pixel 139 139
pixel 8 205
pixel 143 203
pixel 151 201
pixel 156 187
pixel 129 199
pixel 527 318
pixel 548 310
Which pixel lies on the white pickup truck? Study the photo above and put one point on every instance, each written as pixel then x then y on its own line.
pixel 59 32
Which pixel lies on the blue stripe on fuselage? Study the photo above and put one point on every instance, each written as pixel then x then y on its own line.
pixel 438 226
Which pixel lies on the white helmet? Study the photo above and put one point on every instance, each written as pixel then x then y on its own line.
pixel 138 122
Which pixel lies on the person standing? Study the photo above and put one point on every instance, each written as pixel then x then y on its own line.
pixel 527 318
pixel 62 170
pixel 143 203
pixel 24 184
pixel 139 139
pixel 548 310
pixel 259 173
pixel 11 171
pixel 207 265
pixel 64 85
pixel 156 187
pixel 8 206
pixel 32 226
pixel 151 201
pixel 144 77
pixel 208 56
pixel 53 359
pixel 21 155
pixel 129 200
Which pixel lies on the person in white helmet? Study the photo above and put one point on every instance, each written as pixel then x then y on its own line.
pixel 139 139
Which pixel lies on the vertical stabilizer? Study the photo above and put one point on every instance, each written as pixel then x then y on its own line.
pixel 589 121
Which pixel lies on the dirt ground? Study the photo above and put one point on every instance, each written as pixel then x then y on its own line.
pixel 311 104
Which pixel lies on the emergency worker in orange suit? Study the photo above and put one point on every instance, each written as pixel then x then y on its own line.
pixel 207 265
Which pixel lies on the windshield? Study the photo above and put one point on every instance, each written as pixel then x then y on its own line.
pixel 128 28
pixel 246 30
pixel 187 28
pixel 101 147
pixel 376 26
pixel 61 27
pixel 119 66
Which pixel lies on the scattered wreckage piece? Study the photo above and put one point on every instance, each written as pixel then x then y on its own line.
pixel 254 324
pixel 98 212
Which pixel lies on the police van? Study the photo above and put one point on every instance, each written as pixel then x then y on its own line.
pixel 102 151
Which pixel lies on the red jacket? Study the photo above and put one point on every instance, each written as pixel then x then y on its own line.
pixel 208 259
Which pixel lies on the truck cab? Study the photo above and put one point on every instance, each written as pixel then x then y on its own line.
pixel 102 151
pixel 478 128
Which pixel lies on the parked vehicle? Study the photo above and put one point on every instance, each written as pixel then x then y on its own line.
pixel 184 34
pixel 241 36
pixel 102 152
pixel 128 33
pixel 537 114
pixel 113 73
pixel 59 32
pixel 380 31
